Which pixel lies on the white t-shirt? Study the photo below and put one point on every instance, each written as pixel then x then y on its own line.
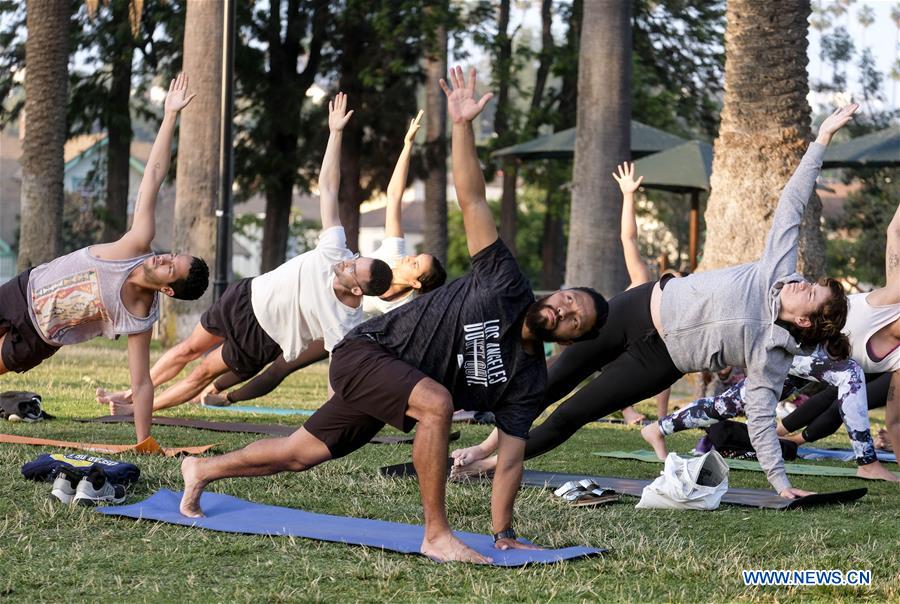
pixel 391 250
pixel 296 302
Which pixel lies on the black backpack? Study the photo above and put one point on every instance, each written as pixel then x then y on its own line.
pixel 731 439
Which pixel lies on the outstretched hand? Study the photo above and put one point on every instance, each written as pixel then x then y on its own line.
pixel 624 175
pixel 835 122
pixel 177 98
pixel 338 116
pixel 413 128
pixel 461 103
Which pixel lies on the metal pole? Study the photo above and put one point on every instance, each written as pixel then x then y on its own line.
pixel 226 157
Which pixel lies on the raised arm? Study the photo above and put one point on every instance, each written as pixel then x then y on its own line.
pixel 330 174
pixel 481 231
pixel 143 227
pixel 780 255
pixel 637 269
pixel 890 293
pixel 395 188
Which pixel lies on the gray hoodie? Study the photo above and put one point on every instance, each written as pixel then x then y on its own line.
pixel 727 317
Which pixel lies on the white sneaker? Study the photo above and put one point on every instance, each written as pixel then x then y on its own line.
pixel 95 489
pixel 64 486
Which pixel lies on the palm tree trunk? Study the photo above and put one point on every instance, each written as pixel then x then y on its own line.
pixel 436 141
pixel 763 134
pixel 46 78
pixel 602 140
pixel 197 185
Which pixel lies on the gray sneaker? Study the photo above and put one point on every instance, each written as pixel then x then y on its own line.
pixel 65 485
pixel 95 489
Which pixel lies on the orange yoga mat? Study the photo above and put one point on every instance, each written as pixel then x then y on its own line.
pixel 148 446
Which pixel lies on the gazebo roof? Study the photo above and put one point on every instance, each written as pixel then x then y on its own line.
pixel 561 145
pixel 876 150
pixel 680 169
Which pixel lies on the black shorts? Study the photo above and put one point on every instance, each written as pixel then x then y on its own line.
pixel 248 348
pixel 371 389
pixel 23 347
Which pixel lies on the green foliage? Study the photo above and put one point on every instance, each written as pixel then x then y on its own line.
pixel 528 235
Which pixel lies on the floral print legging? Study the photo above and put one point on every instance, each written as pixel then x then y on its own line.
pixel 845 375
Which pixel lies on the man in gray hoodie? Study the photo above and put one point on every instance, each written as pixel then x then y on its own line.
pixel 755 315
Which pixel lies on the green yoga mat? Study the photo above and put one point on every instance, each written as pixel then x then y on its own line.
pixel 744 464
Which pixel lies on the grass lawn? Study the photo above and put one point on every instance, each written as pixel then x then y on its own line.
pixel 53 553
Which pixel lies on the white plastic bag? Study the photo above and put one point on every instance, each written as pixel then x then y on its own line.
pixel 696 483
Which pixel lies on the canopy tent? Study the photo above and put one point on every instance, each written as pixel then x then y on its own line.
pixel 561 145
pixel 876 150
pixel 682 169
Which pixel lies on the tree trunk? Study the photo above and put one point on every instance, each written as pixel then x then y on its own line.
pixel 276 227
pixel 118 124
pixel 502 75
pixel 350 194
pixel 763 134
pixel 602 140
pixel 553 250
pixel 46 78
pixel 197 185
pixel 436 143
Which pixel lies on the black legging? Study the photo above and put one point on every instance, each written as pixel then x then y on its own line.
pixel 635 365
pixel 269 379
pixel 821 414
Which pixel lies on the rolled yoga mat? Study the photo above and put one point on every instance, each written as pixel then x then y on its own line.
pixel 241 427
pixel 840 454
pixel 232 515
pixel 756 498
pixel 745 464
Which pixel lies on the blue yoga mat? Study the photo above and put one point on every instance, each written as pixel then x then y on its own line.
pixel 260 410
pixel 232 515
pixel 840 454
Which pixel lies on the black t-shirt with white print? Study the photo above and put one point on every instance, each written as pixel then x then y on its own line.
pixel 467 335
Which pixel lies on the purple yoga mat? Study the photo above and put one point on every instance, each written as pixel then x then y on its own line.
pixel 232 515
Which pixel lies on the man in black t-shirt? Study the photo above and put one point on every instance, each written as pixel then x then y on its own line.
pixel 477 341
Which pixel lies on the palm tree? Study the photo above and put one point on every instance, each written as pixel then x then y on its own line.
pixel 764 132
pixel 46 78
pixel 602 140
pixel 197 185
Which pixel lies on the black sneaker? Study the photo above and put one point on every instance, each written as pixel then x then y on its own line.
pixel 95 489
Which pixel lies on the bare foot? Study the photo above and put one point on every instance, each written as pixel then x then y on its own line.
pixel 632 417
pixel 883 441
pixel 210 389
pixel 876 471
pixel 794 438
pixel 780 430
pixel 116 408
pixel 652 435
pixel 193 488
pixel 475 468
pixel 447 548
pixel 215 400
pixel 105 397
pixel 462 457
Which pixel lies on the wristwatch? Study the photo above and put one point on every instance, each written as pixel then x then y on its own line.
pixel 507 534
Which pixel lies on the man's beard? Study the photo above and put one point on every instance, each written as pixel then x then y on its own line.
pixel 534 321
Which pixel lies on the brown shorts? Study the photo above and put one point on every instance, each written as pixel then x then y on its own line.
pixel 371 389
pixel 248 348
pixel 23 347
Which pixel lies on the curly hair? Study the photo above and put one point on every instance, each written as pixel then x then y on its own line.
pixel 827 322
pixel 196 282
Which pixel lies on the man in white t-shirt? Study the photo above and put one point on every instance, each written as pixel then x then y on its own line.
pixel 412 275
pixel 316 295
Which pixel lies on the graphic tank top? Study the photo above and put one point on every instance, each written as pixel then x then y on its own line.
pixel 77 297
